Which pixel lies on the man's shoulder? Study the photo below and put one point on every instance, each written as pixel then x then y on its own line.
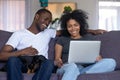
pixel 20 31
pixel 50 29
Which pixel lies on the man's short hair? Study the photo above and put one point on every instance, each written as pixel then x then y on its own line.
pixel 42 11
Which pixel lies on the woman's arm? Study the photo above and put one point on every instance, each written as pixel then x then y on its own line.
pixel 58 53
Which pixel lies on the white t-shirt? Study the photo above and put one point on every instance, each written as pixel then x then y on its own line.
pixel 24 38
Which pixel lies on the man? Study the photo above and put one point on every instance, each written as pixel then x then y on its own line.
pixel 30 42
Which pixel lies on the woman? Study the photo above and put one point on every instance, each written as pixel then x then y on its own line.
pixel 75 27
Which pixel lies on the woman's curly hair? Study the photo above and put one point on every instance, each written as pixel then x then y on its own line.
pixel 78 15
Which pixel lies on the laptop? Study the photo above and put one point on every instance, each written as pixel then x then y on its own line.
pixel 84 52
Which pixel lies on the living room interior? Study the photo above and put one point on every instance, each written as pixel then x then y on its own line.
pixel 94 8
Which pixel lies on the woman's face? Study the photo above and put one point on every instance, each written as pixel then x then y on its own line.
pixel 73 28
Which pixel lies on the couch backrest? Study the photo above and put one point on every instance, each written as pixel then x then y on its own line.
pixel 51 50
pixel 4 35
pixel 110 45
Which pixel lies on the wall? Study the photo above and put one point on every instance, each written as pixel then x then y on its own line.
pixel 90 7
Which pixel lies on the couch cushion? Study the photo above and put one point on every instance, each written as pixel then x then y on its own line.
pixel 115 75
pixel 3 76
pixel 110 45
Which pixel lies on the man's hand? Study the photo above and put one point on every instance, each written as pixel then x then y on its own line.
pixel 29 51
pixel 98 31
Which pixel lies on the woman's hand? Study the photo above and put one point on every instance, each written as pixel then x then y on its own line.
pixel 58 62
pixel 98 58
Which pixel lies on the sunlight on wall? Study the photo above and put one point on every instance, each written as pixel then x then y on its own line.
pixel 57 8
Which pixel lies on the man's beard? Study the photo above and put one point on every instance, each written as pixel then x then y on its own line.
pixel 38 28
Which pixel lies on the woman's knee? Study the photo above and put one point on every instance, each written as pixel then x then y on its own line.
pixel 71 71
pixel 68 68
pixel 72 66
pixel 111 62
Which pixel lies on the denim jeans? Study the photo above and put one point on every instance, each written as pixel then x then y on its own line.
pixel 15 68
pixel 71 71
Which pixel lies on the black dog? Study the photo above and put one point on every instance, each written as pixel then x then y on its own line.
pixel 32 62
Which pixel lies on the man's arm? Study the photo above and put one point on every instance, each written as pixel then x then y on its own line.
pixel 7 51
pixel 58 32
pixel 97 31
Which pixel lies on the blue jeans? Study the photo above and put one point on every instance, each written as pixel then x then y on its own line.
pixel 71 71
pixel 15 68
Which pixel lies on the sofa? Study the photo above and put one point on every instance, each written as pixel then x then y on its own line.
pixel 110 48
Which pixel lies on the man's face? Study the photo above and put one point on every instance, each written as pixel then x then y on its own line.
pixel 43 20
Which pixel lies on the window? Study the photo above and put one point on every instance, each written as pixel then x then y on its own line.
pixel 109 15
pixel 12 15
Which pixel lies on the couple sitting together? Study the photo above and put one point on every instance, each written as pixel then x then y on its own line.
pixel 34 41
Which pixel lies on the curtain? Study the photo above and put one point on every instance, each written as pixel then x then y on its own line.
pixel 12 15
pixel 109 14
